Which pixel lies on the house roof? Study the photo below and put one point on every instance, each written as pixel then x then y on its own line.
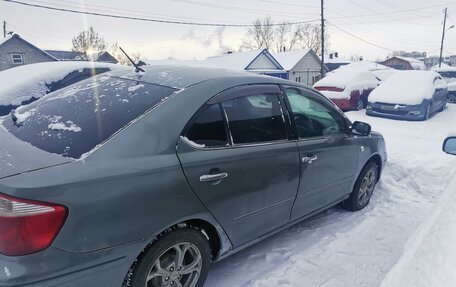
pixel 241 60
pixel 416 64
pixel 66 55
pixel 16 36
pixel 288 60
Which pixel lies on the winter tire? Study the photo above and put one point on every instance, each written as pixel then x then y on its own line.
pixel 179 258
pixel 363 189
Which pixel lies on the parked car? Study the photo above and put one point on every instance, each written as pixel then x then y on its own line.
pixel 348 88
pixel 451 93
pixel 447 73
pixel 37 80
pixel 409 95
pixel 144 179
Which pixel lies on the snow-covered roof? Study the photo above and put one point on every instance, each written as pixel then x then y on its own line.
pixel 7 38
pixel 288 60
pixel 405 87
pixel 416 64
pixel 241 60
pixel 24 82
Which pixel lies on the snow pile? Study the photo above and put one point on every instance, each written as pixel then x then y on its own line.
pixel 405 87
pixel 348 80
pixel 24 82
pixel 430 256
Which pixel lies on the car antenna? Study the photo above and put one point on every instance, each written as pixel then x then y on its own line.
pixel 138 69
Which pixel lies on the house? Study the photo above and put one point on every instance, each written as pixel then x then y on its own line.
pixel 404 63
pixel 302 66
pixel 257 61
pixel 67 55
pixel 15 51
pixel 333 61
pixel 102 56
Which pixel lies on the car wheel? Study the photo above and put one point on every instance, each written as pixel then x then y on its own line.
pixel 363 189
pixel 180 257
pixel 359 105
pixel 451 99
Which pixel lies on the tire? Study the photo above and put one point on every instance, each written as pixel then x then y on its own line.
pixel 363 189
pixel 359 105
pixel 162 259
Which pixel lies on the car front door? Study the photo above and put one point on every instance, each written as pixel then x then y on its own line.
pixel 328 154
pixel 237 157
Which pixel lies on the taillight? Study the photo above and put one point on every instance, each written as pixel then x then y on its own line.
pixel 28 226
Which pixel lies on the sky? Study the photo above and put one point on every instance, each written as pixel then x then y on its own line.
pixel 371 29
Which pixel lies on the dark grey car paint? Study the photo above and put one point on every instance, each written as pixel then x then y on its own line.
pixel 133 187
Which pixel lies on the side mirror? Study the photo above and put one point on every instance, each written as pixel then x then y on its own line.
pixel 449 145
pixel 361 128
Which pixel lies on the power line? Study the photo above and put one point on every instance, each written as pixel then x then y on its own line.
pixel 148 19
pixel 359 38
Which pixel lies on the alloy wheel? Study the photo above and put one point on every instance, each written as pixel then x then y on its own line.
pixel 179 266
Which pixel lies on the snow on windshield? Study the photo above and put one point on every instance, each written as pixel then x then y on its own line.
pixel 22 83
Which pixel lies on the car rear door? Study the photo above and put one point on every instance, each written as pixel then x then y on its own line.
pixel 237 157
pixel 328 154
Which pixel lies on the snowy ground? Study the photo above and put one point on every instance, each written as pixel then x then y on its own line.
pixel 340 248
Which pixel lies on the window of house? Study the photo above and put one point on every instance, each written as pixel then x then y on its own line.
pixel 208 129
pixel 255 118
pixel 17 58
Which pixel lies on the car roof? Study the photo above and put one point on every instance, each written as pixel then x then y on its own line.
pixel 180 77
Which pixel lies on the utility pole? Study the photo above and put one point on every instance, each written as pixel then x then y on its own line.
pixel 443 37
pixel 322 70
pixel 4 29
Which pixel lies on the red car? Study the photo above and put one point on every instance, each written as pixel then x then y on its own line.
pixel 348 88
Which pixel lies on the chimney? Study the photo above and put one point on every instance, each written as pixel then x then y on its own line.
pixel 336 54
pixel 331 56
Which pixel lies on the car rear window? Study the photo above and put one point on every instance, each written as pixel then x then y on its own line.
pixel 74 120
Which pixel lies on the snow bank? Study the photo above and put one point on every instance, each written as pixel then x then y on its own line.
pixel 24 82
pixel 430 256
pixel 348 80
pixel 405 87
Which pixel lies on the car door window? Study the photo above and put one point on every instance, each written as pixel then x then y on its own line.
pixel 255 118
pixel 312 119
pixel 208 128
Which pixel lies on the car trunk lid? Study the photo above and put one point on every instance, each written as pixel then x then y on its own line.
pixel 18 157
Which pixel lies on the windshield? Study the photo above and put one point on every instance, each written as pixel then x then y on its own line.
pixel 74 120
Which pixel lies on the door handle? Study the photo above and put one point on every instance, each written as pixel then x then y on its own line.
pixel 310 158
pixel 213 177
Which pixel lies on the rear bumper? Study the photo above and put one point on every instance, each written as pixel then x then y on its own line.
pixel 58 268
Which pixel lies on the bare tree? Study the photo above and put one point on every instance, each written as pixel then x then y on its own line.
pixel 260 35
pixel 88 40
pixel 284 36
pixel 123 60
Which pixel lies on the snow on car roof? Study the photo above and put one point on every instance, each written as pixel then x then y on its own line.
pixel 24 82
pixel 405 87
